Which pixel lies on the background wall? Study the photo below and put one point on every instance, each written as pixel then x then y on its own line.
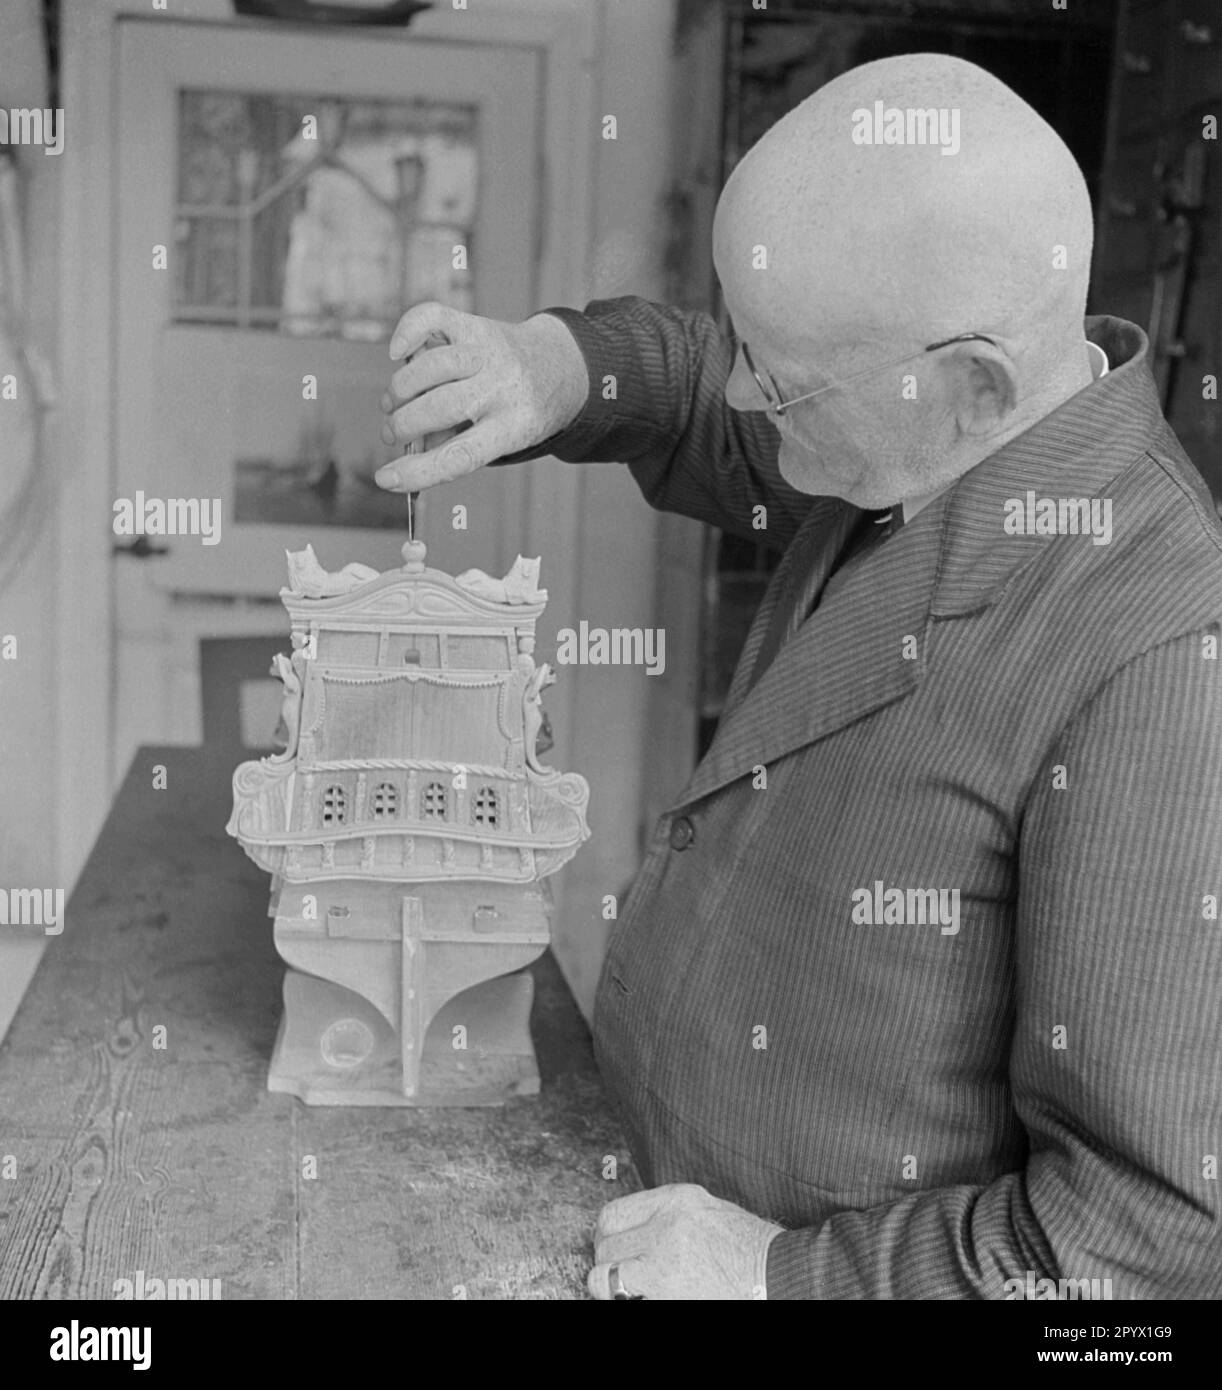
pixel 28 598
pixel 619 739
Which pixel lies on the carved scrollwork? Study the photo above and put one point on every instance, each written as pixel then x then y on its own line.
pixel 573 789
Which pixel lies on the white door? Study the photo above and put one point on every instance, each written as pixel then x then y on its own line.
pixel 304 190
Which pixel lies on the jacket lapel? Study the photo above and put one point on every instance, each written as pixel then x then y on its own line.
pixel 846 660
pixel 817 543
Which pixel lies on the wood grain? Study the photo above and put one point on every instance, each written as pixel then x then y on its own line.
pixel 176 1160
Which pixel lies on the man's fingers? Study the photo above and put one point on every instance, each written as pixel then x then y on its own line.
pixel 624 1245
pixel 458 456
pixel 633 1210
pixel 442 408
pixel 632 1278
pixel 430 369
pixel 421 320
pixel 516 381
pixel 638 1207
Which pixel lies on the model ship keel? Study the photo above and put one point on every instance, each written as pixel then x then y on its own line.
pixel 334 1048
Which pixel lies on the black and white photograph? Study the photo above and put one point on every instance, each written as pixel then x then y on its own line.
pixel 610 675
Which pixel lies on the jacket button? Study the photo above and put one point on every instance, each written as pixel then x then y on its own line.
pixel 682 833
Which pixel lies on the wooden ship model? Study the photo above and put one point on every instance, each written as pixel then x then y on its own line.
pixel 409 828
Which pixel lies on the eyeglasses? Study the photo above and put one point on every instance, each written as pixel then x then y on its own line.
pixel 772 395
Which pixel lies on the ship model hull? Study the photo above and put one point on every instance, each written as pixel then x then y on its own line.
pixel 408 827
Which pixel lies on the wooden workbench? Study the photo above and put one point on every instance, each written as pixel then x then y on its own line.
pixel 178 1162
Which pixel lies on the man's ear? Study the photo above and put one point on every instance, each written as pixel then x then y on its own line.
pixel 983 386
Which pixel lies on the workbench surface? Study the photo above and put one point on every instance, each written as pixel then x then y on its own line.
pixel 176 1161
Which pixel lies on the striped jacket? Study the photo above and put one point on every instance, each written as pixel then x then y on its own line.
pixel 1030 725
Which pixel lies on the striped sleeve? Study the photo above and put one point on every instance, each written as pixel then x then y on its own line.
pixel 656 402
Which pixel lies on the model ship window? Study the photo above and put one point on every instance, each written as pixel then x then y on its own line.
pixel 334 806
pixel 320 216
pixel 485 809
pixel 385 801
pixel 433 801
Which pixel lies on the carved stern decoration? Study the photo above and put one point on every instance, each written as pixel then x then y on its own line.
pixel 408 827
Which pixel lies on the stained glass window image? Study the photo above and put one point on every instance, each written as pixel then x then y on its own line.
pixel 313 217
pixel 321 217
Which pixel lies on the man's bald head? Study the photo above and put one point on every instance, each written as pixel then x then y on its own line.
pixel 823 241
pixel 900 232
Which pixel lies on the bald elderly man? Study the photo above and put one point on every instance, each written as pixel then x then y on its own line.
pixel 934 1009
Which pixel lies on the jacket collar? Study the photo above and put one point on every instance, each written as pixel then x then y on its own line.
pixel 866 647
pixel 1079 450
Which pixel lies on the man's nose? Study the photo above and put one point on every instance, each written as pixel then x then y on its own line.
pixel 742 390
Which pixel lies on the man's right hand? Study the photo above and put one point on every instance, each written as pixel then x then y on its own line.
pixel 490 389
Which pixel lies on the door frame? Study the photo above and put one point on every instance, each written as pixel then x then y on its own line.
pixel 83 430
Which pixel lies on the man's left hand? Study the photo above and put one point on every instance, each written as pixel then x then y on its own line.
pixel 680 1241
